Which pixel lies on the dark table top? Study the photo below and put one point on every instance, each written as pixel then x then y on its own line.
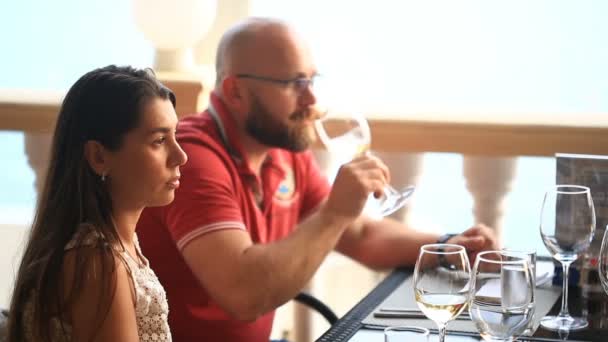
pixel 590 304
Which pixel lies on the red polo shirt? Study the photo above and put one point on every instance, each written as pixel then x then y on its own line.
pixel 220 191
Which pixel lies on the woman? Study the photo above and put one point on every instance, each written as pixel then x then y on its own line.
pixel 82 276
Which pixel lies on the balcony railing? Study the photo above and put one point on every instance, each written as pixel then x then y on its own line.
pixel 490 149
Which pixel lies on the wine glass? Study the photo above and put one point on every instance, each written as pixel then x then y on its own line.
pixel 502 295
pixel 567 225
pixel 603 262
pixel 442 278
pixel 348 136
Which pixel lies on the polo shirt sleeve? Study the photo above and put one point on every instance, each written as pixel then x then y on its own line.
pixel 206 200
pixel 316 186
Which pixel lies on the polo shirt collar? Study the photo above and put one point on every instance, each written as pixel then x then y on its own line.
pixel 226 127
pixel 228 132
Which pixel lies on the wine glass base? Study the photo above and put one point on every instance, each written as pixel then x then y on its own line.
pixel 558 323
pixel 394 200
pixel 378 208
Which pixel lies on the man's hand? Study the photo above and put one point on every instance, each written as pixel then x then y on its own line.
pixel 352 186
pixel 476 239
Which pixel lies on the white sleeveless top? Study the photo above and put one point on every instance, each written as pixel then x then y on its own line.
pixel 151 308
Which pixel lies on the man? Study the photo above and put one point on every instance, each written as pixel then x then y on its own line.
pixel 254 217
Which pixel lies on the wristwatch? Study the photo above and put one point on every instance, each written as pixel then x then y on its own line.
pixel 445 237
pixel 441 258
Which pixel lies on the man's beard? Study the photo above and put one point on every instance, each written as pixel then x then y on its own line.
pixel 267 130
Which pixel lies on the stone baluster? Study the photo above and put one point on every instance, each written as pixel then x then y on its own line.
pixel 406 169
pixel 489 180
pixel 37 149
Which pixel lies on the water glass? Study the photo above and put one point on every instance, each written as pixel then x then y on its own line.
pixel 511 254
pixel 502 295
pixel 517 254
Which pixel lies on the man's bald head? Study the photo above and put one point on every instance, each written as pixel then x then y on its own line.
pixel 259 46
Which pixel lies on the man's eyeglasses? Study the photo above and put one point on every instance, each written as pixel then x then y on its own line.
pixel 299 84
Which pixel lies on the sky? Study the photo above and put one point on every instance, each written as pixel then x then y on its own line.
pixel 546 57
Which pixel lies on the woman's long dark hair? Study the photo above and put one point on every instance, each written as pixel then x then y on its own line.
pixel 103 105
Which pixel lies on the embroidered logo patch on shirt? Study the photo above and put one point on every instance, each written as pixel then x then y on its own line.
pixel 287 187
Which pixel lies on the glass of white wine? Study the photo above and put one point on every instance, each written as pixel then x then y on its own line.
pixel 567 225
pixel 346 137
pixel 502 295
pixel 442 278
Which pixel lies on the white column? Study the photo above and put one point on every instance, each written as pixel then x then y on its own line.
pixel 405 169
pixel 489 180
pixel 174 27
pixel 38 150
pixel 229 12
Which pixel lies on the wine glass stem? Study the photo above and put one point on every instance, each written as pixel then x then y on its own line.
pixel 565 270
pixel 441 329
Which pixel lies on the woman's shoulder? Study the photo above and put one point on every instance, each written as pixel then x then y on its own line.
pixel 90 261
pixel 100 291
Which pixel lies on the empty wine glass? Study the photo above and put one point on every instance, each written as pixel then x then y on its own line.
pixel 346 136
pixel 442 278
pixel 502 295
pixel 567 225
pixel 603 262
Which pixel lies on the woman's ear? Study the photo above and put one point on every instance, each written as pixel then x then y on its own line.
pixel 97 157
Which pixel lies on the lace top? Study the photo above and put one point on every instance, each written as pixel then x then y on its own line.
pixel 151 308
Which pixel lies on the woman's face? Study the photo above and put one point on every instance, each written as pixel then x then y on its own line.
pixel 144 171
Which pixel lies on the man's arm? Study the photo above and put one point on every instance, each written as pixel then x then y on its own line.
pixel 386 243
pixel 248 280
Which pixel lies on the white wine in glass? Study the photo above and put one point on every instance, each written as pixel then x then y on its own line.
pixel 346 137
pixel 567 226
pixel 441 283
pixel 441 307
